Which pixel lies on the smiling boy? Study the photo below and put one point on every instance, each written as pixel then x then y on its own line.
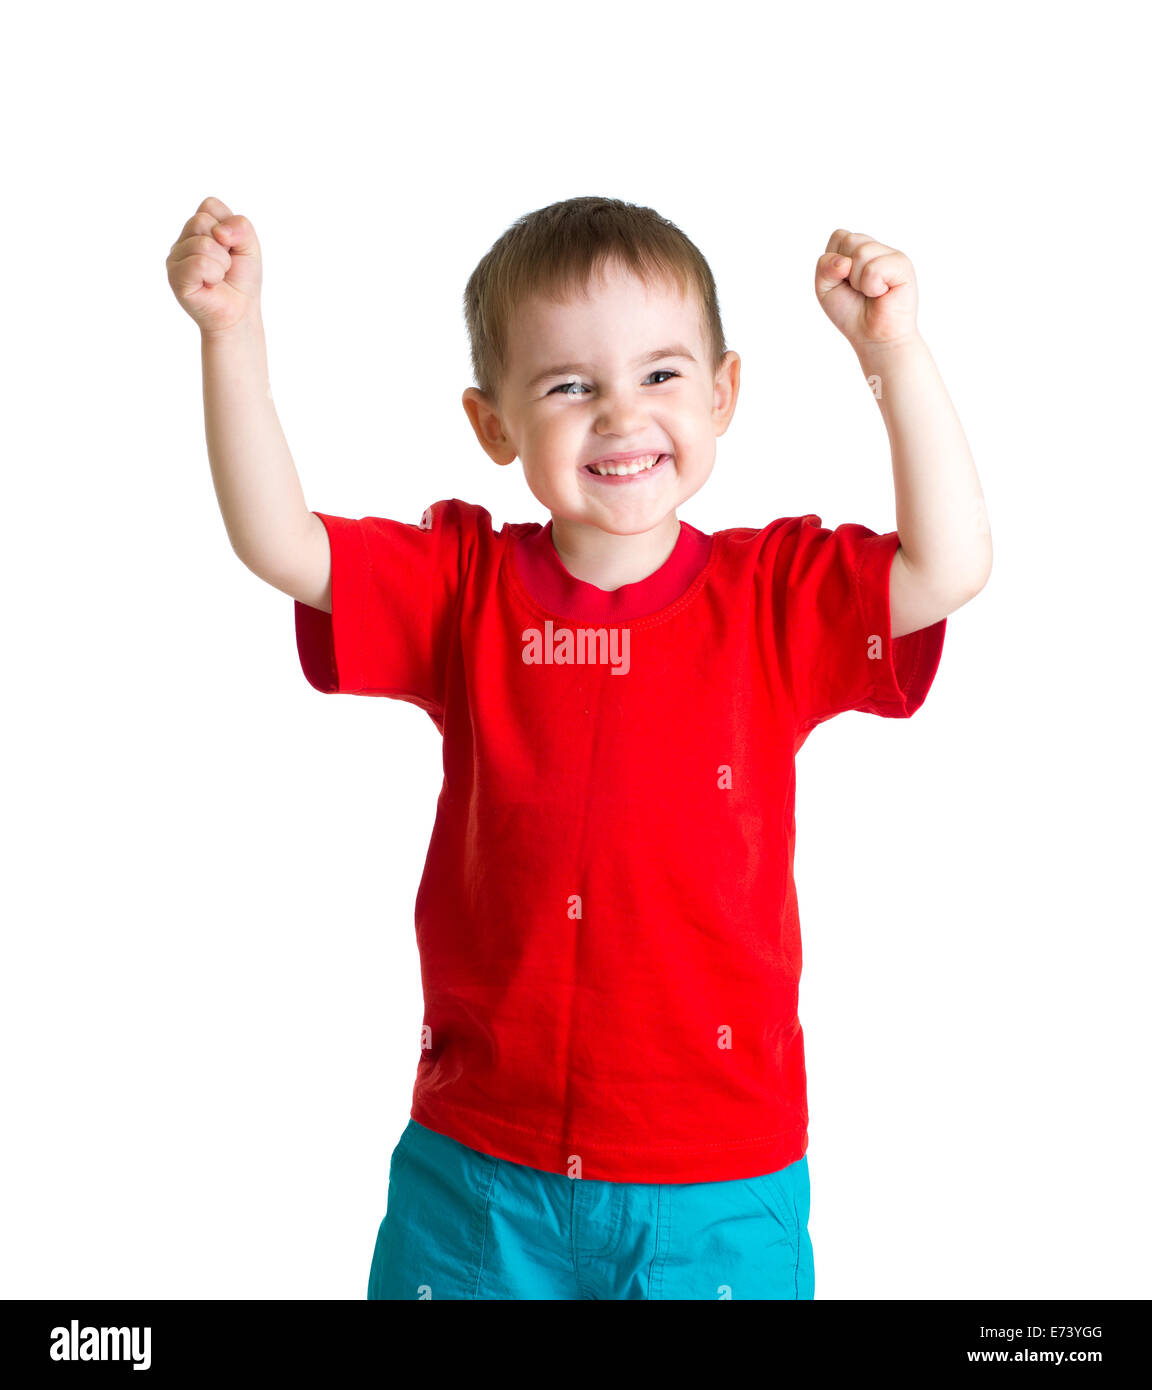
pixel 645 385
pixel 610 1100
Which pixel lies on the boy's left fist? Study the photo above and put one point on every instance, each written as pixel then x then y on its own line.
pixel 867 289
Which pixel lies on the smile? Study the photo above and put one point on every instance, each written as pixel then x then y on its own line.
pixel 626 472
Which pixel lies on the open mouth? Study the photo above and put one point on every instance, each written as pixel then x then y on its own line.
pixel 627 472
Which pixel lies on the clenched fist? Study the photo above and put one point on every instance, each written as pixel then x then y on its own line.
pixel 214 267
pixel 867 289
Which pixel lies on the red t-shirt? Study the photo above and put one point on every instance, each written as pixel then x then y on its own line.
pixel 607 920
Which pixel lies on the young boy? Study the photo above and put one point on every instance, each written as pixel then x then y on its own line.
pixel 610 1100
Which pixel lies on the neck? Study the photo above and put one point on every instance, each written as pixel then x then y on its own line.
pixel 608 561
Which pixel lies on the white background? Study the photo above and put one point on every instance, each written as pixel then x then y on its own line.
pixel 210 1001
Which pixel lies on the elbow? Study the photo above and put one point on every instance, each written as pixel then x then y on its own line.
pixel 982 575
pixel 980 571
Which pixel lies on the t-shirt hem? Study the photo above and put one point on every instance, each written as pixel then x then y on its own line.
pixel 636 1163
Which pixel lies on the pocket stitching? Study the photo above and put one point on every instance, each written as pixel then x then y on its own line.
pixel 785 1202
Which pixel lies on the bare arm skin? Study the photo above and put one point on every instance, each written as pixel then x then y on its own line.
pixel 257 486
pixel 868 290
pixel 945 553
pixel 214 269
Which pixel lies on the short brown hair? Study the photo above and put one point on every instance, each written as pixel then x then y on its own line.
pixel 555 252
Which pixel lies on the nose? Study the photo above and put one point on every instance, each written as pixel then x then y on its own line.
pixel 621 413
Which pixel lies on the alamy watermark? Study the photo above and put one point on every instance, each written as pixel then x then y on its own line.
pixel 582 646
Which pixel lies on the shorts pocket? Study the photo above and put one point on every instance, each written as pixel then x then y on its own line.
pixel 732 1239
pixel 777 1192
pixel 403 1146
pixel 431 1242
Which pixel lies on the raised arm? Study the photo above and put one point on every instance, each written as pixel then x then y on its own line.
pixel 869 291
pixel 214 270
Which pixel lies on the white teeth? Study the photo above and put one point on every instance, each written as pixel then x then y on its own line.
pixel 610 470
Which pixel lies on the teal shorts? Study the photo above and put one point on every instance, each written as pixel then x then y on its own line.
pixel 462 1224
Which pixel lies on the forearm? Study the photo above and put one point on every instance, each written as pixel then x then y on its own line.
pixel 256 483
pixel 940 513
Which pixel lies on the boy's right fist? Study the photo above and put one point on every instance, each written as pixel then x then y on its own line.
pixel 214 267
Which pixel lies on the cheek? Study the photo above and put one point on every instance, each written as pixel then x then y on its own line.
pixel 691 413
pixel 552 433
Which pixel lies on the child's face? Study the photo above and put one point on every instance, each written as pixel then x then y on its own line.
pixel 602 396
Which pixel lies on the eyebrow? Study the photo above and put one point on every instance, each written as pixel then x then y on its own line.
pixel 574 368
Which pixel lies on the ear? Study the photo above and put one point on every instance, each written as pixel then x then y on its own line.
pixel 486 422
pixel 726 389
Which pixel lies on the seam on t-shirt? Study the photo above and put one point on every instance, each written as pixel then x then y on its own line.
pixel 914 653
pixel 475 522
pixel 812 720
pixel 434 706
pixel 858 595
pixel 361 603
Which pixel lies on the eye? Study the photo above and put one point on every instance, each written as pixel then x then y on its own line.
pixel 565 387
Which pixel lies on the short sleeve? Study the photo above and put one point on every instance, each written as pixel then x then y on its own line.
pixel 395 587
pixel 833 621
